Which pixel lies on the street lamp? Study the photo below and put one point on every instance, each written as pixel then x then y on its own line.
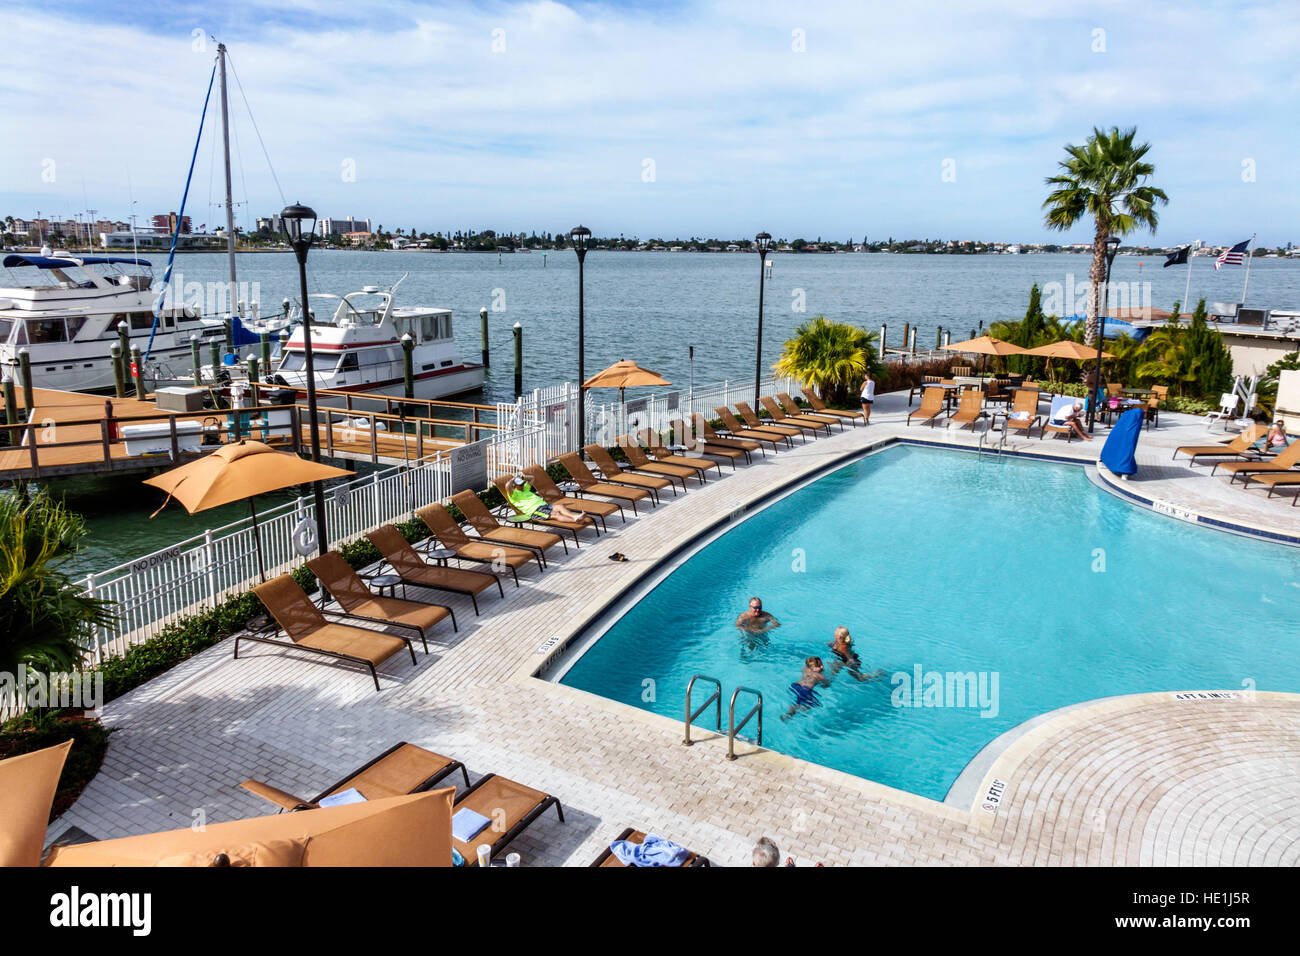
pixel 581 237
pixel 299 225
pixel 1112 247
pixel 762 244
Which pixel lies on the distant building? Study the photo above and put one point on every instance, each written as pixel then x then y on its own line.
pixel 341 227
pixel 166 222
pixel 359 238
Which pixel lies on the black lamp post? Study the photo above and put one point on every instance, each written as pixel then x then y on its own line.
pixel 581 237
pixel 1112 247
pixel 762 244
pixel 299 225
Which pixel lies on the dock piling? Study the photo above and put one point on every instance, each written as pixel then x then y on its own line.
pixel 25 367
pixel 215 355
pixel 119 373
pixel 252 370
pixel 265 338
pixel 198 360
pixel 11 405
pixel 408 365
pixel 519 360
pixel 483 329
pixel 137 373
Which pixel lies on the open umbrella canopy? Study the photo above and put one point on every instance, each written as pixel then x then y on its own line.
pixel 624 374
pixel 985 345
pixel 239 471
pixel 1068 349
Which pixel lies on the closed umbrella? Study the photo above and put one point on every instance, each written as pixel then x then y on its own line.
pixel 238 472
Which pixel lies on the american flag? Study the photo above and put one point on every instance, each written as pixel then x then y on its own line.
pixel 1234 256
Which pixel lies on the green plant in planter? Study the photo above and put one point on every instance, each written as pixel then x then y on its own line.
pixel 832 357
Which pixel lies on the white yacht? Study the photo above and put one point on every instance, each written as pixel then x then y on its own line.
pixel 360 350
pixel 65 310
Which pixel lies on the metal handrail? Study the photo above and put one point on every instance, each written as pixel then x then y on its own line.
pixel 715 698
pixel 732 729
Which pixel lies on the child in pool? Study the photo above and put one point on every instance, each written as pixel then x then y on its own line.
pixel 804 689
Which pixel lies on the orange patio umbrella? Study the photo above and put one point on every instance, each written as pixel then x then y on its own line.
pixel 238 472
pixel 1067 349
pixel 624 374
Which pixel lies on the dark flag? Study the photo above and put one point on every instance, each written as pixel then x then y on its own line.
pixel 1178 258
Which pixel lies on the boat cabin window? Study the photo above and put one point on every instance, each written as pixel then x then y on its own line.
pixel 41 331
pixel 141 321
pixel 293 362
pixel 6 327
pixel 348 363
pixel 75 322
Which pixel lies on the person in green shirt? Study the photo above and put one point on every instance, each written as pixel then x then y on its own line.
pixel 530 504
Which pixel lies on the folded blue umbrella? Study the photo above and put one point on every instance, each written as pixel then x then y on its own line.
pixel 654 851
pixel 1120 451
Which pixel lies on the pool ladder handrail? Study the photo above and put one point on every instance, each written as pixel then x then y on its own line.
pixel 732 729
pixel 715 698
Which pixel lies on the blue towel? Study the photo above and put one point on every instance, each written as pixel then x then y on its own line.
pixel 351 795
pixel 466 824
pixel 655 851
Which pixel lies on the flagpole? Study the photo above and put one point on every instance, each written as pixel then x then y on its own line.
pixel 1249 255
pixel 1188 290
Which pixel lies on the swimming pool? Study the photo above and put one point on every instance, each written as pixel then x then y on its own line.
pixel 1020 574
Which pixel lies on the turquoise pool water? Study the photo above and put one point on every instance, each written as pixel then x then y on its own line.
pixel 954 564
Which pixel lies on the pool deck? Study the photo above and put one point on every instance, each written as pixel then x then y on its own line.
pixel 1145 779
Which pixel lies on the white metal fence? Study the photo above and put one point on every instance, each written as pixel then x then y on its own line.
pixel 605 422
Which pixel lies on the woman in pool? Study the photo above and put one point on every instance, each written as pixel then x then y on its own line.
pixel 804 689
pixel 846 657
pixel 530 504
pixel 1277 438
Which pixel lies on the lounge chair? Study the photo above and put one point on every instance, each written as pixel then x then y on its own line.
pixel 614 475
pixel 681 433
pixel 1239 447
pixel 1023 415
pixel 502 483
pixel 509 805
pixel 591 485
pixel 542 484
pixel 481 519
pixel 655 445
pixel 820 408
pixel 632 835
pixel 352 594
pixel 399 770
pixel 919 389
pixel 1054 423
pixel 970 409
pixel 638 459
pixel 705 432
pixel 1283 461
pixel 753 421
pixel 803 421
pixel 1286 479
pixel 307 629
pixel 770 436
pixel 931 407
pixel 450 535
pixel 415 571
pixel 791 408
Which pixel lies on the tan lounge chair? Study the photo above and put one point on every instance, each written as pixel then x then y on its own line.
pixel 550 492
pixel 591 485
pixel 1283 461
pixel 791 408
pixel 451 536
pixel 1025 405
pixel 307 629
pixel 931 406
pixel 511 807
pixel 705 432
pixel 415 571
pixel 1239 447
pixel 502 483
pixel 352 594
pixel 820 408
pixel 632 835
pixel 753 421
pixel 970 409
pixel 763 434
pixel 613 474
pixel 655 445
pixel 399 770
pixel 679 433
pixel 482 520
pixel 803 421
pixel 1282 480
pixel 638 459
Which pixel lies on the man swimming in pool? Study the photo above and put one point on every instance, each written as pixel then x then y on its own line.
pixel 804 689
pixel 846 658
pixel 530 504
pixel 756 620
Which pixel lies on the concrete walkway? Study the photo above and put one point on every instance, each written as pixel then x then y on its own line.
pixel 1143 779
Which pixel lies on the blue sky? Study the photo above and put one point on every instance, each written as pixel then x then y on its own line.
pixel 709 119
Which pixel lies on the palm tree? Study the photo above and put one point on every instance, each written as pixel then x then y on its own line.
pixel 1105 178
pixel 829 356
